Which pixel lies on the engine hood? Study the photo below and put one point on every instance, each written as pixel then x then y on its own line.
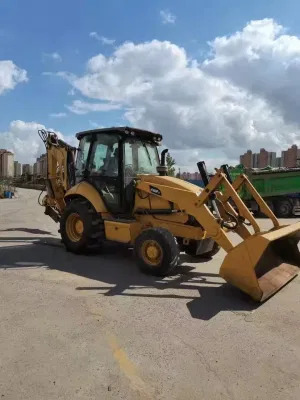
pixel 171 182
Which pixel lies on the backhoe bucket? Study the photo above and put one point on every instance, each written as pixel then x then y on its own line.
pixel 264 262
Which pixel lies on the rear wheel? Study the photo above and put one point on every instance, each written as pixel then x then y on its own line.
pixel 270 204
pixel 81 226
pixel 283 208
pixel 156 251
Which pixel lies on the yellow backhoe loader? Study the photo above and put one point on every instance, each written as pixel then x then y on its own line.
pixel 115 187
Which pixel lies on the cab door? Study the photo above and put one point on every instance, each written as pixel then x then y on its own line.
pixel 104 169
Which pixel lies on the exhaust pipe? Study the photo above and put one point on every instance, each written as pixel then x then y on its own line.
pixel 162 169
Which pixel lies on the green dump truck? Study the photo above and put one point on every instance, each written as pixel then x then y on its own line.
pixel 280 188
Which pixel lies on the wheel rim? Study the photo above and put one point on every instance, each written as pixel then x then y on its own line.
pixel 152 252
pixel 284 208
pixel 74 227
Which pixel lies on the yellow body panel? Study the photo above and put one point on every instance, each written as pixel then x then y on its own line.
pixel 186 196
pixel 121 232
pixel 156 202
pixel 171 182
pixel 177 229
pixel 86 190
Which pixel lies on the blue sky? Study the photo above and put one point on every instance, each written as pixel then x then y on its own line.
pixel 32 32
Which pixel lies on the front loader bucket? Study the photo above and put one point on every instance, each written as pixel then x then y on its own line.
pixel 264 262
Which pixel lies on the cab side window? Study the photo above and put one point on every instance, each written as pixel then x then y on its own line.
pixel 82 155
pixel 105 156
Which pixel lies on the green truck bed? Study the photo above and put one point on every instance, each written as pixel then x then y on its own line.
pixel 280 187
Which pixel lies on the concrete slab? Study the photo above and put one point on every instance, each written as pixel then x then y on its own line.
pixel 94 327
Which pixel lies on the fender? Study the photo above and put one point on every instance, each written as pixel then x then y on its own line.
pixel 87 191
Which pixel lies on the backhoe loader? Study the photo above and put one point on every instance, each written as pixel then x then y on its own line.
pixel 115 187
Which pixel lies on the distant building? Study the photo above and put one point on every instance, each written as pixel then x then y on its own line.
pixel 17 169
pixel 289 158
pixel 263 158
pixel 254 160
pixel 246 159
pixel 35 169
pixel 195 176
pixel 27 169
pixel 42 165
pixel 6 163
pixel 278 162
pixel 272 158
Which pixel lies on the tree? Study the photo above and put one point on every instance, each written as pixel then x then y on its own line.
pixel 170 164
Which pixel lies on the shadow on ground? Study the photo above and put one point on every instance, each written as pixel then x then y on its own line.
pixel 27 230
pixel 115 266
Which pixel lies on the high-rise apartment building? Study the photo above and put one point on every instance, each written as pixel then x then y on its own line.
pixel 6 163
pixel 17 169
pixel 27 169
pixel 42 165
pixel 289 158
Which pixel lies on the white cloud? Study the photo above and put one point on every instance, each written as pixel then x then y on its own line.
pixel 58 115
pixel 22 139
pixel 10 75
pixel 187 159
pixel 53 56
pixel 102 39
pixel 244 96
pixel 82 107
pixel 264 61
pixel 167 17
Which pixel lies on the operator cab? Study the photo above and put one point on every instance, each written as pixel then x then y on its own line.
pixel 110 159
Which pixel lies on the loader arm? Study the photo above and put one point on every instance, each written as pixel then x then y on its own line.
pixel 60 172
pixel 264 261
pixel 195 204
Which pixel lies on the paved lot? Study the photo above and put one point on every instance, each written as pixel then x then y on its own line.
pixel 94 327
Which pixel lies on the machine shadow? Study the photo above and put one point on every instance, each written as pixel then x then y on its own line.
pixel 27 230
pixel 117 274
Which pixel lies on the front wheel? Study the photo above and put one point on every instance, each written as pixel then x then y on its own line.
pixel 156 251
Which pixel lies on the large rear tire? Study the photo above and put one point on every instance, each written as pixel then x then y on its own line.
pixel 156 251
pixel 81 227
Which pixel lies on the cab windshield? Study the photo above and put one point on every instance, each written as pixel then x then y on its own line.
pixel 140 157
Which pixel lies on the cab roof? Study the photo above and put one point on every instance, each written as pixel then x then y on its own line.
pixel 125 131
